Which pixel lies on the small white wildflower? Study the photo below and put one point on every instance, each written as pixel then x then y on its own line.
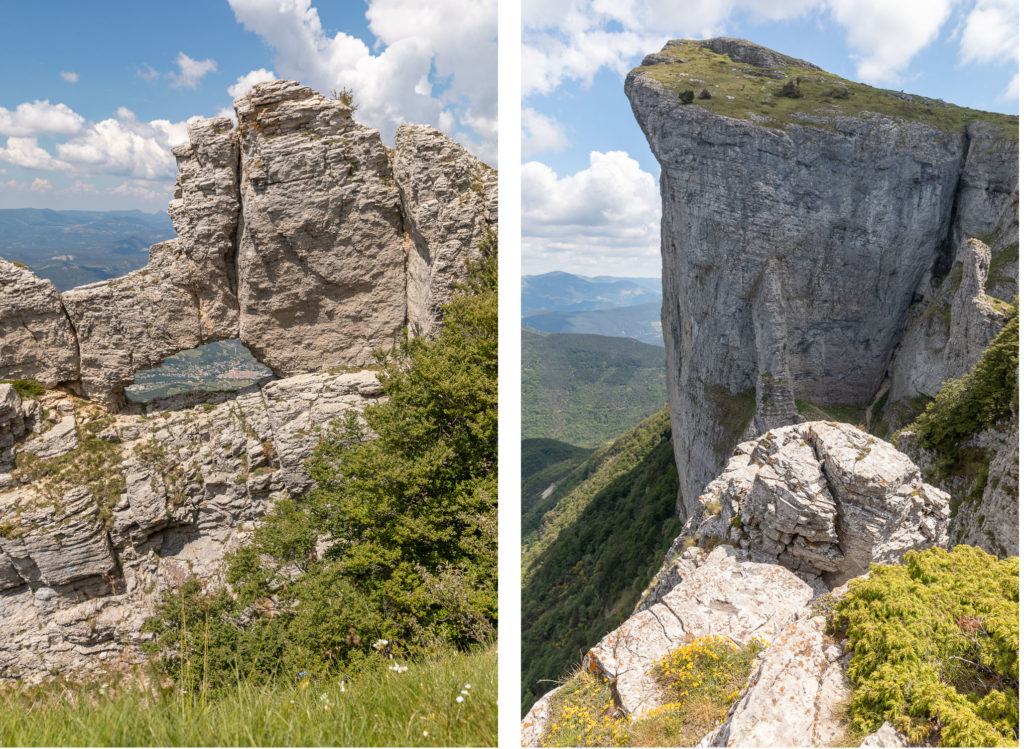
pixel 342 686
pixel 464 693
pixel 380 644
pixel 467 686
pixel 460 698
pixel 425 732
pixel 323 697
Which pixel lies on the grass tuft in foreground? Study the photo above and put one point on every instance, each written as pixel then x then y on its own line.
pixel 446 701
pixel 701 681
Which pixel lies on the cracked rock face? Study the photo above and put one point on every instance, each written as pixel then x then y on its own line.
pixel 802 672
pixel 447 211
pixel 300 233
pixel 819 206
pixel 321 256
pixel 824 498
pixel 79 573
pixel 724 596
pixel 36 338
pixel 949 332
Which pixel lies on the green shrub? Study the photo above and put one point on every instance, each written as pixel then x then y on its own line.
pixel 935 647
pixel 704 94
pixel 25 388
pixel 686 97
pixel 791 89
pixel 983 397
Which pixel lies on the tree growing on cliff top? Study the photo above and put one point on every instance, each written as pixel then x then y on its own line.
pixel 405 514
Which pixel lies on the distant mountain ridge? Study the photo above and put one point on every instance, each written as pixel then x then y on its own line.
pixel 561 292
pixel 73 248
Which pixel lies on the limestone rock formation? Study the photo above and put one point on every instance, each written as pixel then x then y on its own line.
pixel 84 555
pixel 725 596
pixel 447 210
pixel 299 233
pixel 804 671
pixel 37 341
pixel 321 256
pixel 823 498
pixel 989 514
pixel 948 334
pixel 849 204
pixel 296 233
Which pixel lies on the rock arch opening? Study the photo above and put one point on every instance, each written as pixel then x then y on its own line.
pixel 222 366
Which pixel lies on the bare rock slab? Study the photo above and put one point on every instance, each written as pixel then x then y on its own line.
pixel 321 255
pixel 450 202
pixel 37 341
pixel 725 596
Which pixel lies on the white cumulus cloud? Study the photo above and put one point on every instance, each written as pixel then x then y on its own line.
pixel 125 146
pixel 250 79
pixel 604 219
pixel 40 118
pixel 190 71
pixel 991 32
pixel 453 42
pixel 25 152
pixel 541 133
pixel 69 76
pixel 884 36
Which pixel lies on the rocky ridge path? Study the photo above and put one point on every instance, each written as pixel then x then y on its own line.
pixel 795 515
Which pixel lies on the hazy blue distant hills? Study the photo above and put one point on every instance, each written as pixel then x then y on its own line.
pixel 601 305
pixel 641 321
pixel 562 292
pixel 72 248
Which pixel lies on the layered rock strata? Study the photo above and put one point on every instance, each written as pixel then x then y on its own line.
pixel 90 537
pixel 852 213
pixel 299 233
pixel 823 498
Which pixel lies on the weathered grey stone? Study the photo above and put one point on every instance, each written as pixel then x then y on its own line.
pixel 949 332
pixel 825 202
pixel 450 203
pixel 725 596
pixel 134 322
pixel 197 480
pixel 991 520
pixel 823 498
pixel 886 735
pixel 795 695
pixel 321 254
pixel 37 341
pixel 55 545
pixel 205 213
pixel 537 722
pixel 12 424
pixel 59 439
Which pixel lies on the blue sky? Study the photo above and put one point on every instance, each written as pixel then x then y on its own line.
pixel 93 95
pixel 590 198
